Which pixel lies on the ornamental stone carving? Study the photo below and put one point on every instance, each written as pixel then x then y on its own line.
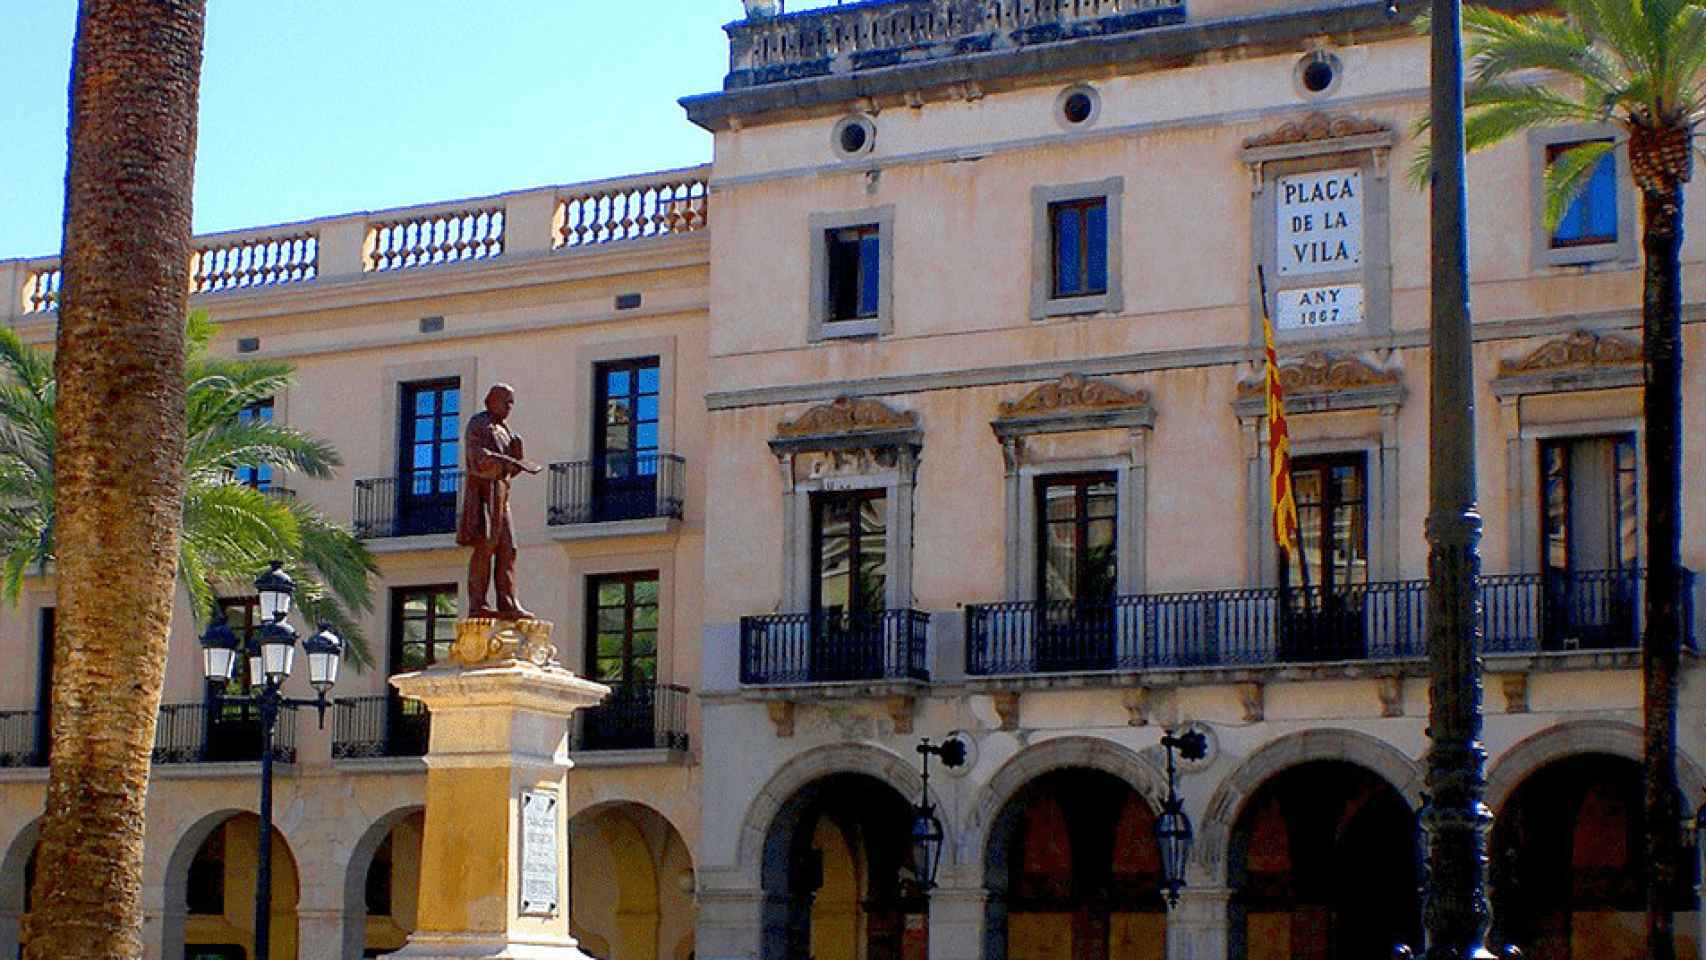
pixel 1073 393
pixel 847 415
pixel 1580 350
pixel 1314 127
pixel 486 640
pixel 1323 372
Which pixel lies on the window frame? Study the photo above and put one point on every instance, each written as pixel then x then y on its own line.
pixel 1329 506
pixel 1621 252
pixel 394 639
pixel 1045 303
pixel 819 501
pixel 1081 483
pixel 629 579
pixel 823 325
pixel 257 477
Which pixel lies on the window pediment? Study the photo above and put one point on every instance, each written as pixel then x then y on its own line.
pixel 1320 381
pixel 847 423
pixel 1318 132
pixel 1074 402
pixel 1581 360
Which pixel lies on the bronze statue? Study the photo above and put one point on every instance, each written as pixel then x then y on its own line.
pixel 493 456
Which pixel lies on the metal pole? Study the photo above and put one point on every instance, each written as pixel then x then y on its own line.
pixel 269 700
pixel 1455 816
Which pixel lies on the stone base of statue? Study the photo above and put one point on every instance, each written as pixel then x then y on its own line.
pixel 494 871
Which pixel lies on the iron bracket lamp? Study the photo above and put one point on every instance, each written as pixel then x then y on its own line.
pixel 1173 834
pixel 927 834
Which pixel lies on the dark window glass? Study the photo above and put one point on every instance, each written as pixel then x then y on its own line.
pixel 1078 521
pixel 626 438
pixel 1592 216
pixel 243 616
pixel 1589 500
pixel 379 880
pixel 1080 242
pixel 850 553
pixel 622 628
pixel 1332 520
pixel 423 626
pixel 854 279
pixel 429 451
pixel 205 891
pixel 258 477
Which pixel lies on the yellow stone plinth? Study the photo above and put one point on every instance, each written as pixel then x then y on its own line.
pixel 497 786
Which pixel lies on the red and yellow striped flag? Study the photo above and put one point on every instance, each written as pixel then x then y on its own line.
pixel 1279 446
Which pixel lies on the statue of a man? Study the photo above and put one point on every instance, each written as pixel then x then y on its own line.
pixel 493 456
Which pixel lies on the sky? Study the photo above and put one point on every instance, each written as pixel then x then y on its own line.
pixel 317 107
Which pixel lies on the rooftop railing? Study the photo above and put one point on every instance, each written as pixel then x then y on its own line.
pixel 531 222
pixel 879 33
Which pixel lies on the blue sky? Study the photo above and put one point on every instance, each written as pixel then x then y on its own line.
pixel 317 107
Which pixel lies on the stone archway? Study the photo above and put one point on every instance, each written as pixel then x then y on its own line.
pixel 1377 756
pixel 233 888
pixel 15 878
pixel 631 882
pixel 392 843
pixel 1564 740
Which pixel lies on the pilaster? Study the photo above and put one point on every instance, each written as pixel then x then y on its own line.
pixel 956 922
pixel 1197 927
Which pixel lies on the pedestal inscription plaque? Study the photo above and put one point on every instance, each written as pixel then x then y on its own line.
pixel 538 855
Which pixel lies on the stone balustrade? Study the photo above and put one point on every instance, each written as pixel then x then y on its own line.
pixel 878 33
pixel 540 222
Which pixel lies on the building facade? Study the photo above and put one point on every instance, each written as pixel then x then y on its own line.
pixel 949 422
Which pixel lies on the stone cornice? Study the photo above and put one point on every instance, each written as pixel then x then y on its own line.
pixel 1579 360
pixel 1321 381
pixel 1074 402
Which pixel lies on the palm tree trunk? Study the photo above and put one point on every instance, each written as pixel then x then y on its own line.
pixel 1661 335
pixel 134 82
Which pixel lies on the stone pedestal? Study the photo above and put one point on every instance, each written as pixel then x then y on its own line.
pixel 494 864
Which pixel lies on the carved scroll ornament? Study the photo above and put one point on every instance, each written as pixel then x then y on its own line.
pixel 847 415
pixel 1580 350
pixel 1314 127
pixel 1322 372
pixel 1073 393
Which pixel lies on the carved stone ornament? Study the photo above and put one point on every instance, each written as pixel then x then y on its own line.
pixel 1314 127
pixel 485 640
pixel 1071 393
pixel 847 415
pixel 1322 372
pixel 1580 350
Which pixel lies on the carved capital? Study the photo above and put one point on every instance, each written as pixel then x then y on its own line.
pixel 1515 688
pixel 781 716
pixel 483 640
pixel 1391 690
pixel 1252 696
pixel 1316 126
pixel 1136 702
pixel 1007 708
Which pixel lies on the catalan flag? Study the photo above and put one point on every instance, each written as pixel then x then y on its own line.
pixel 1284 504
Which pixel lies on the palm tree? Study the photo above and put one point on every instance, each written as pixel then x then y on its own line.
pixel 1640 67
pixel 118 458
pixel 231 527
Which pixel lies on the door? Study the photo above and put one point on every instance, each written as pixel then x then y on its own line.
pixel 622 651
pixel 429 472
pixel 625 471
pixel 1589 548
pixel 423 628
pixel 1077 571
pixel 1327 582
pixel 850 589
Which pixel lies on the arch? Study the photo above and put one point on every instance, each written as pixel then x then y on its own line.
pixel 1092 753
pixel 1572 738
pixel 816 764
pixel 175 913
pixel 355 876
pixel 12 885
pixel 1227 803
pixel 639 906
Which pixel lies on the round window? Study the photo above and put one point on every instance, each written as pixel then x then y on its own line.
pixel 1077 106
pixel 853 135
pixel 1318 74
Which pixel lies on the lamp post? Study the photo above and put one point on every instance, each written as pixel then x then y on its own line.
pixel 272 655
pixel 1173 834
pixel 927 835
pixel 1454 816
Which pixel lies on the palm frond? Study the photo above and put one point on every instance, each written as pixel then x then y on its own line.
pixel 1568 174
pixel 236 444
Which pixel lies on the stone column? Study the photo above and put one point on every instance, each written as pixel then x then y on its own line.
pixel 729 923
pixel 956 922
pixel 320 935
pixel 494 882
pixel 1197 927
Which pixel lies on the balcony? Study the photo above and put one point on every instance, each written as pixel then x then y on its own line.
pixel 424 505
pixel 1521 613
pixel 833 647
pixel 636 716
pixel 22 741
pixel 203 732
pixel 382 726
pixel 616 488
pixel 851 37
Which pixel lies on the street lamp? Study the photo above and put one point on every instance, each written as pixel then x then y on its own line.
pixel 927 833
pixel 1173 834
pixel 272 656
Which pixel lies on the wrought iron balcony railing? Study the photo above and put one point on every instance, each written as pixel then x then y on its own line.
pixel 1521 613
pixel 22 743
pixel 219 733
pixel 423 503
pixel 381 726
pixel 833 646
pixel 636 716
pixel 629 487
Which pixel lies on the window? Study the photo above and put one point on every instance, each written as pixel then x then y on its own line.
pixel 850 556
pixel 44 686
pixel 423 626
pixel 1592 217
pixel 622 628
pixel 626 440
pixel 429 449
pixel 1599 224
pixel 852 273
pixel 1589 548
pixel 1080 231
pixel 261 411
pixel 1075 248
pixel 234 727
pixel 1332 520
pixel 1078 559
pixel 855 268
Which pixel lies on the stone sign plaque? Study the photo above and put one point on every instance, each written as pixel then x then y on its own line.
pixel 538 855
pixel 1310 308
pixel 1318 222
